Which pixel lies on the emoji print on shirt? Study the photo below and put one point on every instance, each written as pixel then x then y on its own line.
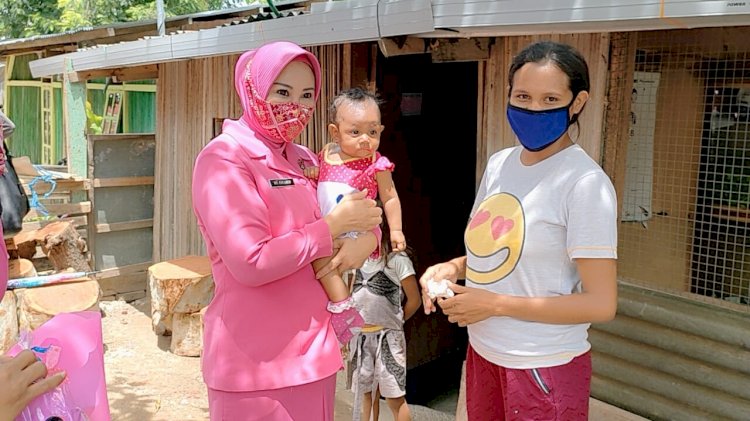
pixel 494 239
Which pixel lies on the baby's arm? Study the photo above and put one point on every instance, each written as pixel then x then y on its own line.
pixel 392 209
pixel 311 172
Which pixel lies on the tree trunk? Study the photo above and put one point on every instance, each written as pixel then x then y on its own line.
pixel 187 334
pixel 64 247
pixel 8 322
pixel 20 268
pixel 37 305
pixel 182 285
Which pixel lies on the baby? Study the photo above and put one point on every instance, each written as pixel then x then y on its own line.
pixel 351 163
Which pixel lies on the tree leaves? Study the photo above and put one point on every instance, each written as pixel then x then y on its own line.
pixel 25 18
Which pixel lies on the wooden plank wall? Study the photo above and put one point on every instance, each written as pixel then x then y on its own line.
pixel 191 95
pixel 496 134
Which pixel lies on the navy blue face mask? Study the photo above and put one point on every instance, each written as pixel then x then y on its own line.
pixel 536 130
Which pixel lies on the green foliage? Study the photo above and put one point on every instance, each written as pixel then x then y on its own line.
pixel 25 18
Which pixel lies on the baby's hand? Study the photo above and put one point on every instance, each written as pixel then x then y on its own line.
pixel 398 241
pixel 311 172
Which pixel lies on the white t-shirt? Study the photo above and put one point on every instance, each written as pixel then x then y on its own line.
pixel 527 225
pixel 377 290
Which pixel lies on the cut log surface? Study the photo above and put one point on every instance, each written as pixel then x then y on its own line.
pixel 182 285
pixel 187 334
pixel 37 305
pixel 64 246
pixel 20 268
pixel 8 322
pixel 26 242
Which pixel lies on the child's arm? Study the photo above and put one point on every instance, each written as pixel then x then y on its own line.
pixel 392 209
pixel 311 172
pixel 413 297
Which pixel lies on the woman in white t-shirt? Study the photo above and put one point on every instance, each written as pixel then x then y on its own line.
pixel 541 249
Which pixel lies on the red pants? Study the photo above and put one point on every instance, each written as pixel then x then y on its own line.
pixel 307 402
pixel 495 393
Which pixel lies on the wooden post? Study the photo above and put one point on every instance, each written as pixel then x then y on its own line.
pixel 74 122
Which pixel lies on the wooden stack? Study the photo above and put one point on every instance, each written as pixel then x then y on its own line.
pixel 26 309
pixel 180 290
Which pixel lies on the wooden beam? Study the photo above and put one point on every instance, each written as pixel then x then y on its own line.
pixel 453 50
pixel 123 270
pixel 122 136
pixel 77 221
pixel 123 181
pixel 69 208
pixel 399 46
pixel 124 226
pixel 74 123
pixel 149 71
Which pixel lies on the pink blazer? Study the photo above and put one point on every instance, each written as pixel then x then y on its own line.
pixel 267 326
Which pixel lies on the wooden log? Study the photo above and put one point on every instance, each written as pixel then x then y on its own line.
pixel 182 285
pixel 8 322
pixel 187 334
pixel 25 242
pixel 64 247
pixel 20 268
pixel 37 305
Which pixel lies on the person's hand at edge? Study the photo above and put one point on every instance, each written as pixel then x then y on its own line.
pixel 23 378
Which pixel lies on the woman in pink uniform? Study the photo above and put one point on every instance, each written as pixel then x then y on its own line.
pixel 269 350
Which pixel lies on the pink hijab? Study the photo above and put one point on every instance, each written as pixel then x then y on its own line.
pixel 266 63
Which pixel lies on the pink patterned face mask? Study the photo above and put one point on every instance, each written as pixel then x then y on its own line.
pixel 285 121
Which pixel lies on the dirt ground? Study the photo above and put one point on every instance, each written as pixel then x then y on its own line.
pixel 144 380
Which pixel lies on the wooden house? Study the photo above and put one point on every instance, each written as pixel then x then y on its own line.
pixel 667 120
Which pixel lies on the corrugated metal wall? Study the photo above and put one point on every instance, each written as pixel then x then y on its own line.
pixel 23 108
pixel 670 358
pixel 669 355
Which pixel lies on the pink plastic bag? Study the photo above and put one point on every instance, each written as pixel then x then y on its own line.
pixel 71 342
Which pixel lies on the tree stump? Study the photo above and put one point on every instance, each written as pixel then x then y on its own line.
pixel 182 285
pixel 25 242
pixel 64 246
pixel 8 322
pixel 187 334
pixel 20 268
pixel 37 305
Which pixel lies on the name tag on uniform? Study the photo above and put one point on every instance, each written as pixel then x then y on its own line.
pixel 282 182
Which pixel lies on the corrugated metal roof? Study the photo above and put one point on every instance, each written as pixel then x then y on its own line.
pixel 326 23
pixel 173 25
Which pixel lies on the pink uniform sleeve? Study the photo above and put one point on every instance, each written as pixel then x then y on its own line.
pixel 236 221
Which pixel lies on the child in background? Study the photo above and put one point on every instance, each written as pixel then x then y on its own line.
pixel 378 352
pixel 351 163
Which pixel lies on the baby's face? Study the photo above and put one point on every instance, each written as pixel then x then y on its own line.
pixel 359 128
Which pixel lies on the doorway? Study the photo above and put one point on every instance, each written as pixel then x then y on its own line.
pixel 430 114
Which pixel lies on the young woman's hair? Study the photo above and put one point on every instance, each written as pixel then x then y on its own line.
pixel 565 57
pixel 350 96
pixel 385 242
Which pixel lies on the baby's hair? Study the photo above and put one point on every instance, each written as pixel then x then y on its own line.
pixel 351 96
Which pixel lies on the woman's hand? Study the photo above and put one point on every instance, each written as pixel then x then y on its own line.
pixel 349 253
pixel 469 305
pixel 22 378
pixel 355 212
pixel 446 270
